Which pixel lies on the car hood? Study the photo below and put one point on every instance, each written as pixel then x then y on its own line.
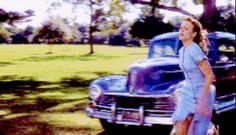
pixel 152 75
pixel 145 77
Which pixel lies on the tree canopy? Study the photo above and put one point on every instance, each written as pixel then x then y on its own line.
pixel 13 17
pixel 149 27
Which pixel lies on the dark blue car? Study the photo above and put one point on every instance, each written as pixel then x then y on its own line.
pixel 147 95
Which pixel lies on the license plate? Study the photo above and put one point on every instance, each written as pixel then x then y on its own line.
pixel 130 116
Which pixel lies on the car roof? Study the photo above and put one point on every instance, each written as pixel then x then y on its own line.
pixel 211 35
pixel 168 35
pixel 222 35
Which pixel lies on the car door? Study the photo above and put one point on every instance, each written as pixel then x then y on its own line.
pixel 224 67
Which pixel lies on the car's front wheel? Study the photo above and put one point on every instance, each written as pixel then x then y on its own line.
pixel 212 130
pixel 111 127
pixel 225 122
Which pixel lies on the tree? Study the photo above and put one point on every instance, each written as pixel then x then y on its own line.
pixel 156 4
pixel 149 27
pixel 223 19
pixel 54 31
pixel 49 34
pixel 101 18
pixel 13 17
pixel 75 4
pixel 209 8
pixel 4 35
pixel 22 36
pixel 10 18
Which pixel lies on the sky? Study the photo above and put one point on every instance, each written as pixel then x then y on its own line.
pixel 41 14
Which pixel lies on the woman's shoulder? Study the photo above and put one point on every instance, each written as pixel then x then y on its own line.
pixel 196 52
pixel 181 50
pixel 194 46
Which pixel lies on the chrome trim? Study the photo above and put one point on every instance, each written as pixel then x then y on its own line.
pixel 172 71
pixel 225 66
pixel 159 120
pixel 114 115
pixel 131 89
pixel 132 109
pixel 147 120
pixel 135 95
pixel 141 115
pixel 223 106
pixel 102 106
pixel 159 111
pixel 113 112
pixel 224 110
pixel 132 123
pixel 225 96
pixel 127 109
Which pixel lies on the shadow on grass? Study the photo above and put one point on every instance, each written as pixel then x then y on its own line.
pixel 25 126
pixel 22 99
pixel 83 57
pixel 77 81
pixel 3 64
pixel 25 94
pixel 13 83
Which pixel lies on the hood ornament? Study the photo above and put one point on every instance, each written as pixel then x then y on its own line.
pixel 131 89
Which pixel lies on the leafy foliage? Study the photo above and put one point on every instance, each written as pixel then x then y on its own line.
pixel 48 34
pixel 4 35
pixel 21 36
pixel 223 20
pixel 52 32
pixel 149 27
pixel 13 17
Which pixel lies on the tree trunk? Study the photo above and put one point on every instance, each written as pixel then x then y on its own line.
pixel 209 9
pixel 91 29
pixel 91 40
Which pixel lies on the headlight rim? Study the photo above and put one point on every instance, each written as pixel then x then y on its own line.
pixel 95 91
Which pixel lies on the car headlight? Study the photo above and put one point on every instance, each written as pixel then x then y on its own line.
pixel 95 91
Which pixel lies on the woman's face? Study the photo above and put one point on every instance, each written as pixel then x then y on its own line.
pixel 186 31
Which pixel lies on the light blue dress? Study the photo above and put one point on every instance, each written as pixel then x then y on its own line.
pixel 191 88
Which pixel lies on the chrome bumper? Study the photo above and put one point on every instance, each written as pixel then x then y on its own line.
pixel 113 114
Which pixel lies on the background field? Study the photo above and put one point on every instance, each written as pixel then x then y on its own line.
pixel 43 89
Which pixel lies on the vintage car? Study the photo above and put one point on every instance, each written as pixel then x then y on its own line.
pixel 147 95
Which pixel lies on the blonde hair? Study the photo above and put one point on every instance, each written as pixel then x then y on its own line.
pixel 200 37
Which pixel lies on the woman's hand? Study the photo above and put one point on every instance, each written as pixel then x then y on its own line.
pixel 203 106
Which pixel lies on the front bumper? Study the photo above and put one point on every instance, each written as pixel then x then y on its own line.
pixel 145 117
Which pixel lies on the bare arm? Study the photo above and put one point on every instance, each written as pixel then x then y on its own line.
pixel 208 73
pixel 205 68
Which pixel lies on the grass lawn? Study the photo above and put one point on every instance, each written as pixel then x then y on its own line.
pixel 45 90
pixel 65 61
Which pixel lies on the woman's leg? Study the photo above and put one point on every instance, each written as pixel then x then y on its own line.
pixel 201 124
pixel 183 126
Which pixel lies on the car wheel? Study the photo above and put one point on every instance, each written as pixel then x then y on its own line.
pixel 225 123
pixel 212 130
pixel 111 127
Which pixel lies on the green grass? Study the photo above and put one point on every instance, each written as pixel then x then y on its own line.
pixel 65 61
pixel 42 91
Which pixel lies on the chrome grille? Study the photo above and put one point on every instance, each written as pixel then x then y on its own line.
pixel 161 106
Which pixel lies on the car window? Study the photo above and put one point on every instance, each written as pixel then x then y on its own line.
pixel 226 52
pixel 163 48
pixel 212 54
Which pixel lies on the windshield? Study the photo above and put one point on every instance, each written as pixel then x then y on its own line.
pixel 162 48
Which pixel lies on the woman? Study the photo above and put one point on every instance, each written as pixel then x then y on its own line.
pixel 195 103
